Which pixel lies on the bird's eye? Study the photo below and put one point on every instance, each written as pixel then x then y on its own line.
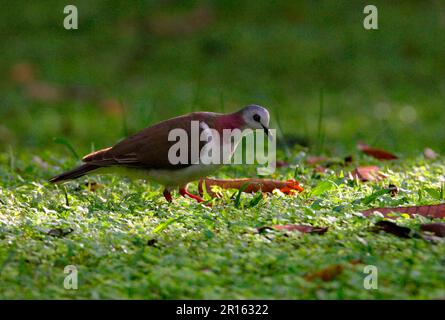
pixel 256 117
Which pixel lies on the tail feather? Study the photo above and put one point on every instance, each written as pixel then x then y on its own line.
pixel 75 173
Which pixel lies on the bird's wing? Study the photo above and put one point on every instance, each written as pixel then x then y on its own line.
pixel 149 148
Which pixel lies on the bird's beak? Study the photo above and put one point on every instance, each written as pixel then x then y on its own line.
pixel 267 132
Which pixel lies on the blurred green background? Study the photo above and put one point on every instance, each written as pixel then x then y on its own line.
pixel 132 63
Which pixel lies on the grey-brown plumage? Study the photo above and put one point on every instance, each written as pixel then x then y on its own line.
pixel 145 149
pixel 75 173
pixel 148 149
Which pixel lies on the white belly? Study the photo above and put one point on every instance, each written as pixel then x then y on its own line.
pixel 181 177
pixel 169 178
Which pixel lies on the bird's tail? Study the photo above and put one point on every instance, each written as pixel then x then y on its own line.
pixel 75 173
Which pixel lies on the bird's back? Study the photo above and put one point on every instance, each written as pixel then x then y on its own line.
pixel 149 148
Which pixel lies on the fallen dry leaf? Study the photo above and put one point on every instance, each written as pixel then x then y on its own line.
pixel 22 73
pixel 326 274
pixel 356 261
pixel 82 93
pixel 296 227
pixel 253 185
pixel 6 135
pixel 431 211
pixel 43 92
pixel 182 24
pixel 112 107
pixel 437 228
pixel 320 169
pixel 315 159
pixel 375 153
pixel 281 164
pixel 367 173
pixel 391 227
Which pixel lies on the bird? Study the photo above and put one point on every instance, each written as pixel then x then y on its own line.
pixel 146 154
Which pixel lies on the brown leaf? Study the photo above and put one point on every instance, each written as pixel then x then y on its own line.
pixel 391 227
pixel 355 261
pixel 437 228
pixel 367 173
pixel 320 169
pixel 431 211
pixel 281 164
pixel 22 73
pixel 43 92
pixel 315 159
pixel 299 228
pixel 182 24
pixel 82 93
pixel 253 185
pixel 6 135
pixel 112 107
pixel 375 153
pixel 326 274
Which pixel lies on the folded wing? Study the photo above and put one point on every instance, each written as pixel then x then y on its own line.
pixel 148 148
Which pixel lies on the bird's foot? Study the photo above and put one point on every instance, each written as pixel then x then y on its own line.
pixel 183 192
pixel 167 195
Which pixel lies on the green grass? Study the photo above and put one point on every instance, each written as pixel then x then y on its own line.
pixel 128 242
pixel 328 83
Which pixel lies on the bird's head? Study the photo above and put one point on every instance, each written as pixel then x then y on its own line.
pixel 256 117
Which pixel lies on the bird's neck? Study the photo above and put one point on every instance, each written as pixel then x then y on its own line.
pixel 230 121
pixel 229 140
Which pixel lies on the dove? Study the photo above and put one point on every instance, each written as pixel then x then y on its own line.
pixel 148 153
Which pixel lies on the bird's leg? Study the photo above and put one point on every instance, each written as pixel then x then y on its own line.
pixel 183 192
pixel 167 195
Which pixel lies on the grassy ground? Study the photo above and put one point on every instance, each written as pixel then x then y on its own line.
pixel 385 87
pixel 129 243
